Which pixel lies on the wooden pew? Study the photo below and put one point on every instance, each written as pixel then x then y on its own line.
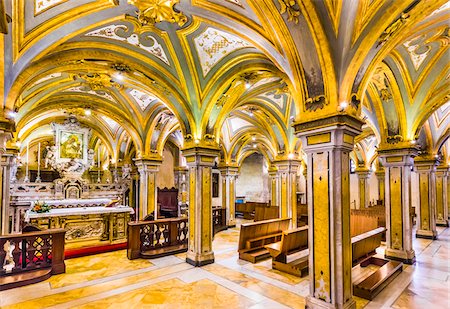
pixel 292 241
pixel 247 209
pixel 266 212
pixel 372 285
pixel 364 245
pixel 254 236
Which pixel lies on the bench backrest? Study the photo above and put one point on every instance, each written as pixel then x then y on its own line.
pixel 294 240
pixel 261 228
pixel 266 213
pixel 366 242
pixel 360 224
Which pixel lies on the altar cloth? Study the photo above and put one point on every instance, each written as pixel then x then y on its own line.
pixel 57 212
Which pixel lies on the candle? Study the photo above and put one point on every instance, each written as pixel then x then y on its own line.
pixel 39 154
pixel 98 157
pixel 28 149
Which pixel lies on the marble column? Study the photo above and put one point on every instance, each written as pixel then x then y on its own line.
pixel 426 221
pixel 148 169
pixel 441 195
pixel 287 188
pixel 229 175
pixel 274 184
pixel 200 161
pixel 397 164
pixel 363 186
pixel 380 173
pixel 328 143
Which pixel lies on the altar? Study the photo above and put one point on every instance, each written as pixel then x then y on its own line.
pixel 93 212
pixel 88 221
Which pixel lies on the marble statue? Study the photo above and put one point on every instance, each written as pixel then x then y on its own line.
pixel 126 171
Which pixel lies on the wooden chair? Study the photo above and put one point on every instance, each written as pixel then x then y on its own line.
pixel 292 241
pixel 254 236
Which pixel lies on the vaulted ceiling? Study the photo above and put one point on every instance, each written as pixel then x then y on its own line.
pixel 237 72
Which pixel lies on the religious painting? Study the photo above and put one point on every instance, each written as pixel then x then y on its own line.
pixel 70 145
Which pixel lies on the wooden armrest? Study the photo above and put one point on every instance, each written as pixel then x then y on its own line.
pixel 274 248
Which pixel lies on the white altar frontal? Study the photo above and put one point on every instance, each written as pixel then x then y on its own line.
pixel 86 221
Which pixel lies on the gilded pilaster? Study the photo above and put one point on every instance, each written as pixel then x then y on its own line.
pixel 441 195
pixel 229 175
pixel 426 223
pixel 200 161
pixel 328 143
pixel 287 176
pixel 380 173
pixel 148 169
pixel 397 163
pixel 363 186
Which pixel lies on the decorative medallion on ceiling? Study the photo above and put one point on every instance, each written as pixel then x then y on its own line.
pixel 155 11
pixel 213 45
pixel 143 99
pixel 124 33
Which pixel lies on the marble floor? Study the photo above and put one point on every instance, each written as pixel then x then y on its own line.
pixel 110 280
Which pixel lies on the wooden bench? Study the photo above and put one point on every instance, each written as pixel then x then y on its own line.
pixel 254 236
pixel 247 209
pixel 363 247
pixel 292 241
pixel 266 212
pixel 365 244
pixel 372 285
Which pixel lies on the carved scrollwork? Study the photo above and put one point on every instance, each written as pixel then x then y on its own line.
pixel 313 104
pixel 355 101
pixel 291 8
pixel 393 29
pixel 394 139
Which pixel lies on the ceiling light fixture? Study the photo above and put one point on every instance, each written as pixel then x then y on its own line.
pixel 88 112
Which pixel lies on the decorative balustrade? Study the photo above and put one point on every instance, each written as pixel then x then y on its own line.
pixel 31 257
pixel 150 239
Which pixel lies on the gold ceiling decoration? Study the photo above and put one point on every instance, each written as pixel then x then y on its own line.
pixel 155 11
pixel 99 81
pixel 393 29
pixel 290 7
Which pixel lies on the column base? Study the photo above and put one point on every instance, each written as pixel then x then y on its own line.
pixel 231 225
pixel 442 222
pixel 426 234
pixel 314 303
pixel 198 260
pixel 407 257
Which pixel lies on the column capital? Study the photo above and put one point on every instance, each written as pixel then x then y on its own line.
pixel 282 165
pixel 380 172
pixel 198 155
pixel 331 132
pixel 398 156
pixel 180 169
pixel 443 170
pixel 425 163
pixel 362 172
pixel 148 164
pixel 229 170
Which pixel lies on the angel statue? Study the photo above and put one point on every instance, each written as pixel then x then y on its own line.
pixel 50 155
pixel 126 170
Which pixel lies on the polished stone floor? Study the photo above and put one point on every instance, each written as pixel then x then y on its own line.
pixel 110 280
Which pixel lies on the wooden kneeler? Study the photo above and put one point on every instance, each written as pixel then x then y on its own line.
pixel 292 241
